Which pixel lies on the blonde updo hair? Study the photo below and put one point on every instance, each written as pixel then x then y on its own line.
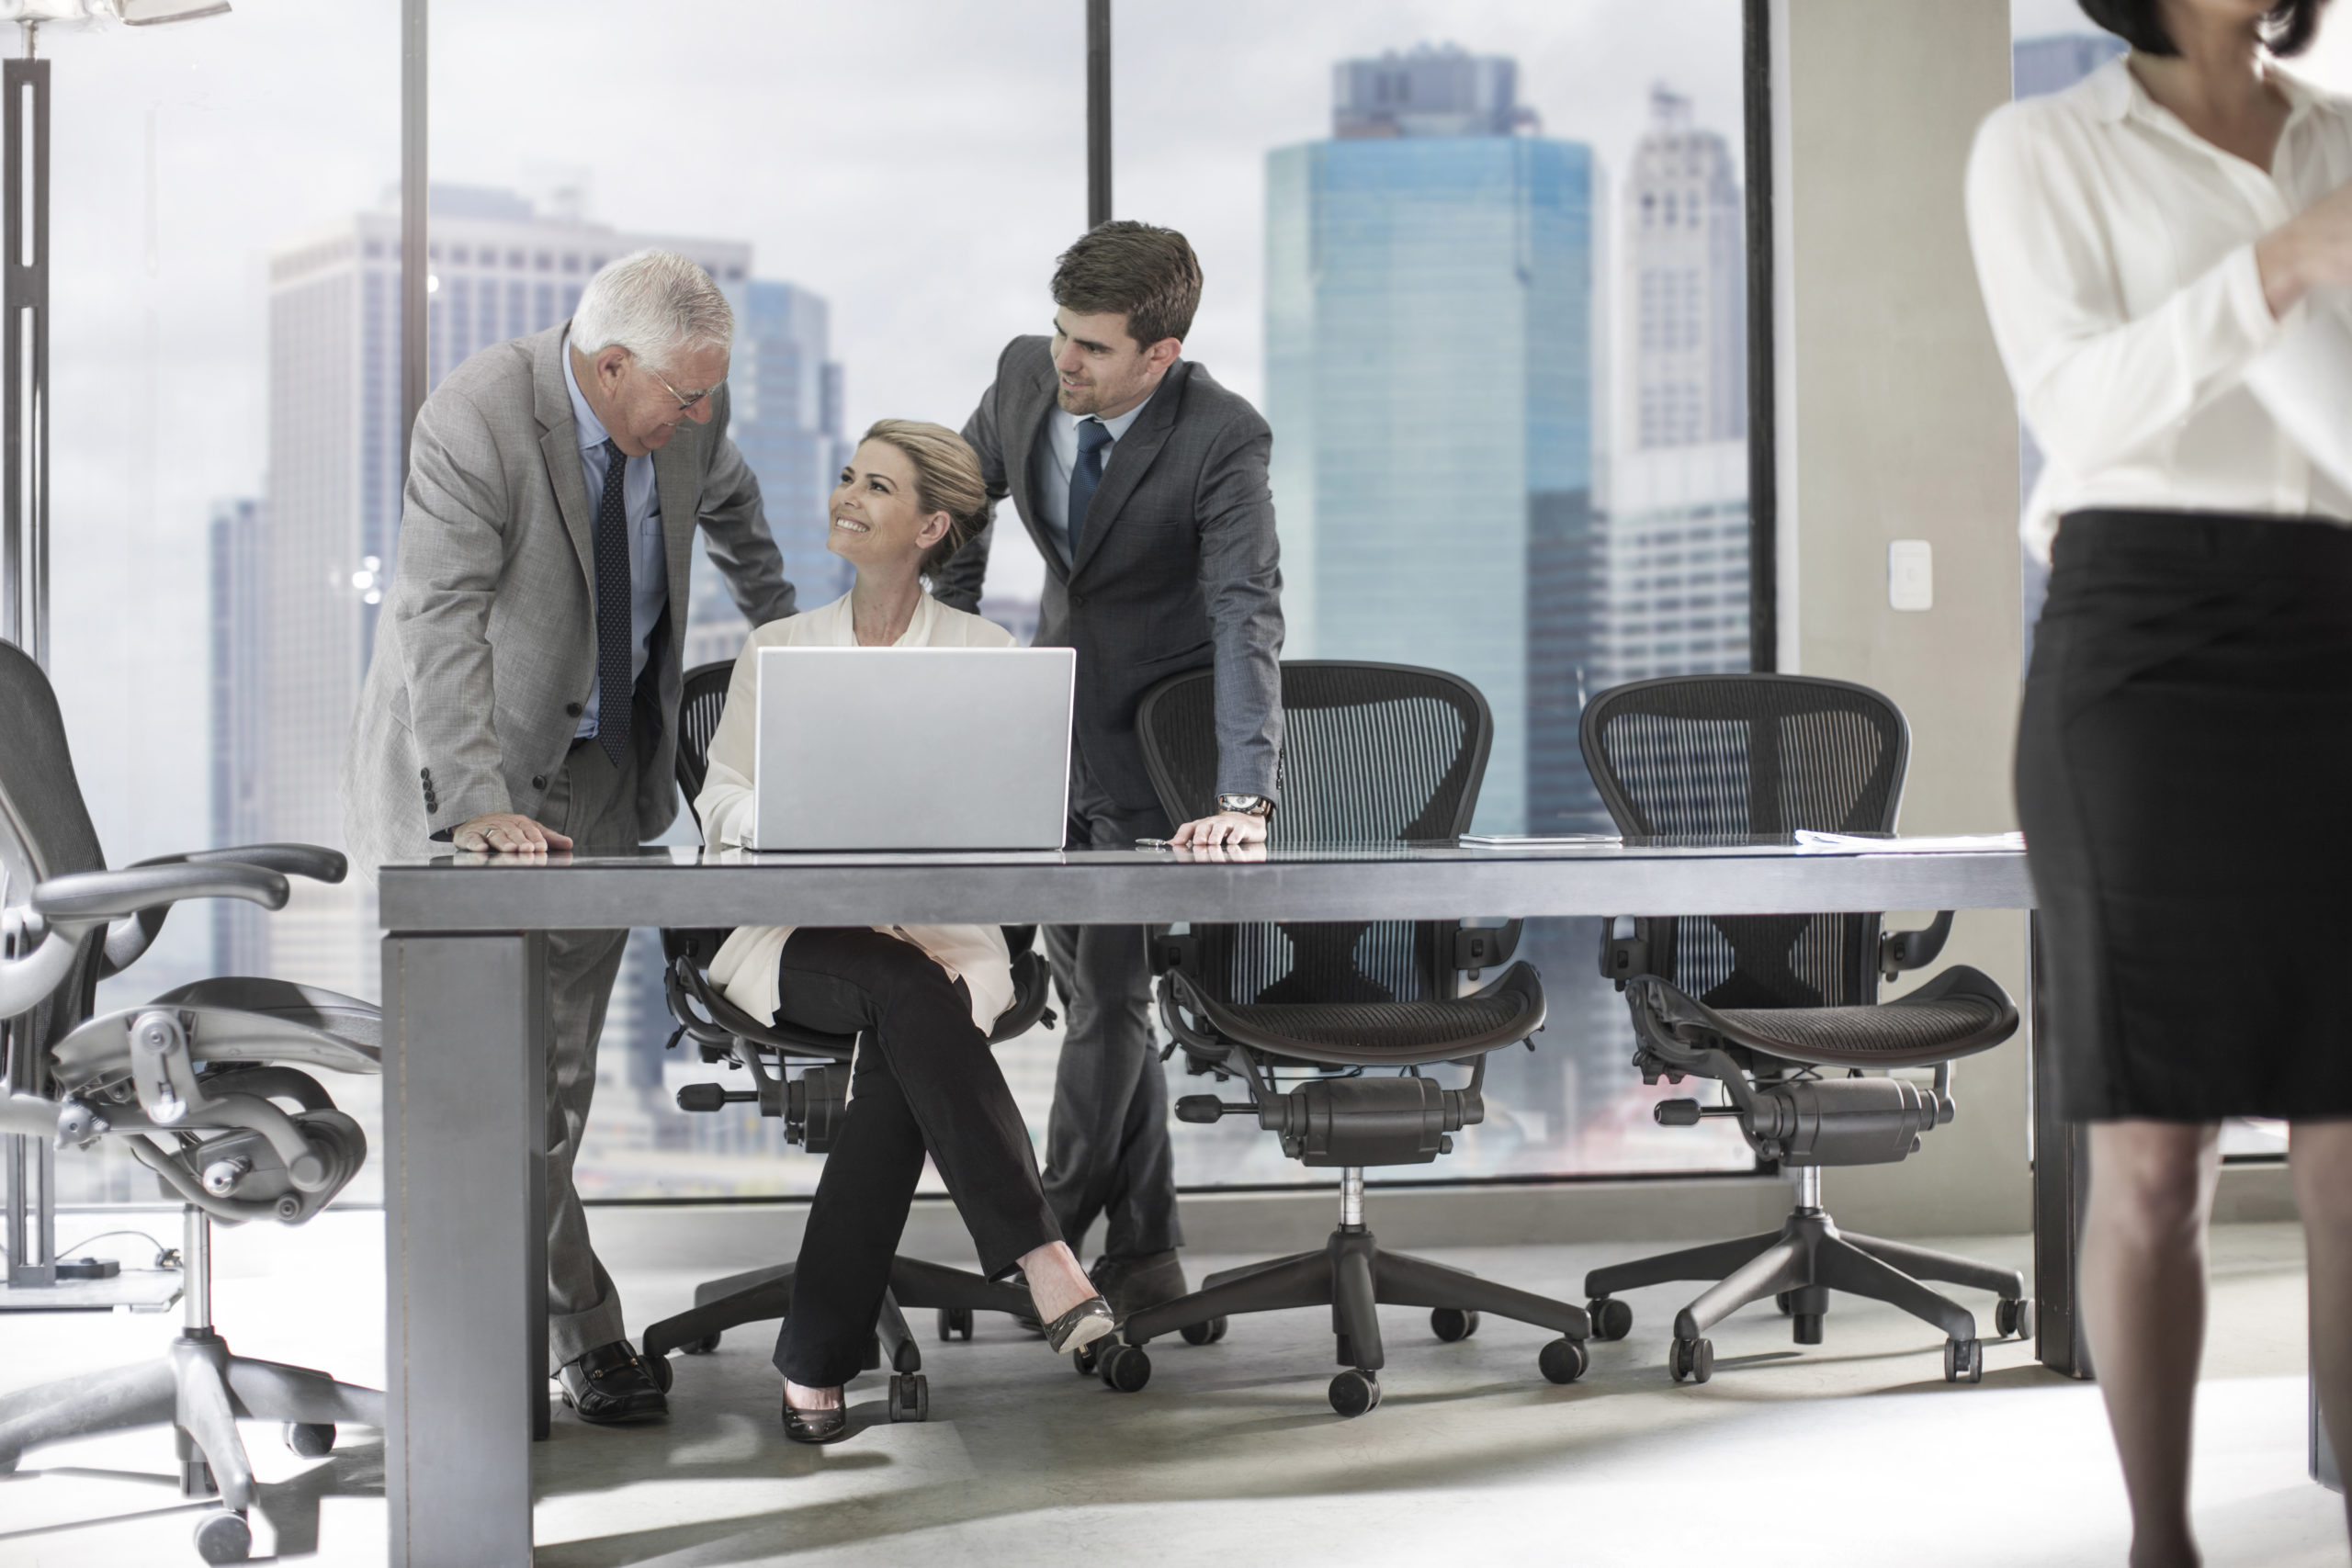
pixel 948 479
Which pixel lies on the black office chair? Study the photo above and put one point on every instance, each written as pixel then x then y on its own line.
pixel 803 1076
pixel 191 1083
pixel 1349 1014
pixel 1770 1005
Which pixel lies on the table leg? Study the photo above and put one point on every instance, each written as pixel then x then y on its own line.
pixel 2061 1185
pixel 465 1064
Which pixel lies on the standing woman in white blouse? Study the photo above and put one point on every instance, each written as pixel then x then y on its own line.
pixel 921 998
pixel 2186 742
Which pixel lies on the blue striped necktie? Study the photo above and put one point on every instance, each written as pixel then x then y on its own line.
pixel 615 633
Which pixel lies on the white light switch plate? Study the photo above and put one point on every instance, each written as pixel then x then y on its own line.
pixel 1910 575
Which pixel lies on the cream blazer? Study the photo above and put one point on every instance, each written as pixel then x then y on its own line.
pixel 745 968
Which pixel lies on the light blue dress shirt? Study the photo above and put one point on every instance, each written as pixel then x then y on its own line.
pixel 648 561
pixel 1057 454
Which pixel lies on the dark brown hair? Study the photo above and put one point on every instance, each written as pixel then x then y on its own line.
pixel 1147 275
pixel 948 479
pixel 2288 28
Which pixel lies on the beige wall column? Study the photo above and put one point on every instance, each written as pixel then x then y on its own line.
pixel 1895 421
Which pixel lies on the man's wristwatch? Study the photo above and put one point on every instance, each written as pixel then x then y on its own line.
pixel 1246 805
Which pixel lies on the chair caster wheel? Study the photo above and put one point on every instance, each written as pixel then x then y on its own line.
pixel 1562 1359
pixel 224 1537
pixel 1454 1324
pixel 1207 1333
pixel 1612 1319
pixel 659 1368
pixel 2013 1318
pixel 1123 1367
pixel 1963 1361
pixel 909 1397
pixel 1692 1361
pixel 702 1347
pixel 1786 1301
pixel 955 1322
pixel 1356 1391
pixel 1086 1357
pixel 311 1439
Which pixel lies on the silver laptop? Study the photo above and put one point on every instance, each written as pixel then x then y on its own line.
pixel 898 749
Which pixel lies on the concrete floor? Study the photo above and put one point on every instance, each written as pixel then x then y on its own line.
pixel 1852 1452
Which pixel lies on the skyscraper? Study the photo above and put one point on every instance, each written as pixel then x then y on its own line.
pixel 786 418
pixel 500 269
pixel 1429 354
pixel 1678 519
pixel 235 666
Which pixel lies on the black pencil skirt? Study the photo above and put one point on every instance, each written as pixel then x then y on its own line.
pixel 2184 777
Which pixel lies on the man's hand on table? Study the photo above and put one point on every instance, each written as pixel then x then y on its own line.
pixel 507 833
pixel 1226 830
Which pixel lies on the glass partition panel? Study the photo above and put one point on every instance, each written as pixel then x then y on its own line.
pixel 216 323
pixel 881 189
pixel 1483 268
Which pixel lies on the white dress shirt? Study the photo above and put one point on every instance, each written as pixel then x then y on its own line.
pixel 2115 247
pixel 1056 455
pixel 649 563
pixel 745 967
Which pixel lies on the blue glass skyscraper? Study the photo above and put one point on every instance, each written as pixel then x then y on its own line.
pixel 1430 382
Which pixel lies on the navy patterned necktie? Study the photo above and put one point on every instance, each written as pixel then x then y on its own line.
pixel 615 634
pixel 1093 440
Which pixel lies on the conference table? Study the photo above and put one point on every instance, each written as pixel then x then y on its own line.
pixel 464 1010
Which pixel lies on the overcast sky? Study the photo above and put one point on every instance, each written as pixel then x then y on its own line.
pixel 918 163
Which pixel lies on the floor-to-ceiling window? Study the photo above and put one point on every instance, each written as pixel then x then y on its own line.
pixel 1483 265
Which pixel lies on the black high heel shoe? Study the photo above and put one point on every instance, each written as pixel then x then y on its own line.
pixel 815 1425
pixel 1081 1326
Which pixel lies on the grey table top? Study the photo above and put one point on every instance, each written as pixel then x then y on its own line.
pixel 688 886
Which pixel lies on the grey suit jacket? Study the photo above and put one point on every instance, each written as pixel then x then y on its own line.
pixel 486 651
pixel 1178 568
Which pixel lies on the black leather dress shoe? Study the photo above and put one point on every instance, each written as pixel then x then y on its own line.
pixel 611 1387
pixel 815 1425
pixel 1131 1284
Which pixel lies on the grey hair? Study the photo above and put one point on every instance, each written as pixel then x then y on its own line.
pixel 654 304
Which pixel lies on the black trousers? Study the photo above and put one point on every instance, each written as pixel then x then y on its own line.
pixel 1107 1154
pixel 923 1081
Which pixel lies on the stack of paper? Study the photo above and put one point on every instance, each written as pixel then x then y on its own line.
pixel 1811 842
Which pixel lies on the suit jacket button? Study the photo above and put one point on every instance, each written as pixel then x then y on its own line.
pixel 571 710
pixel 538 781
pixel 1078 601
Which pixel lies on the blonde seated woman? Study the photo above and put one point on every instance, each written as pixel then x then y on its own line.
pixel 924 996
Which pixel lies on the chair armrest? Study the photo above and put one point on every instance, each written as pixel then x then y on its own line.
pixel 129 938
pixel 84 898
pixel 313 861
pixel 1898 951
pixel 1486 947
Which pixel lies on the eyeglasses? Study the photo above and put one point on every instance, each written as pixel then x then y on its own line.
pixel 686 400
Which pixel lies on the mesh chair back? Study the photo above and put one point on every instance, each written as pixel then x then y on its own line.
pixel 700 702
pixel 1372 755
pixel 1761 756
pixel 45 831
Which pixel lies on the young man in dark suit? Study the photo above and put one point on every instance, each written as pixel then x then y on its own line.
pixel 1143 483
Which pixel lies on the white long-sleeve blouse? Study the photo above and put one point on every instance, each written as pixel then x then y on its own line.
pixel 2115 248
pixel 745 967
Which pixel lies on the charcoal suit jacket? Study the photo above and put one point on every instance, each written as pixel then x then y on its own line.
pixel 1177 567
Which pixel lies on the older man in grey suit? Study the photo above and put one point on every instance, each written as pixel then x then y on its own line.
pixel 524 687
pixel 1143 483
